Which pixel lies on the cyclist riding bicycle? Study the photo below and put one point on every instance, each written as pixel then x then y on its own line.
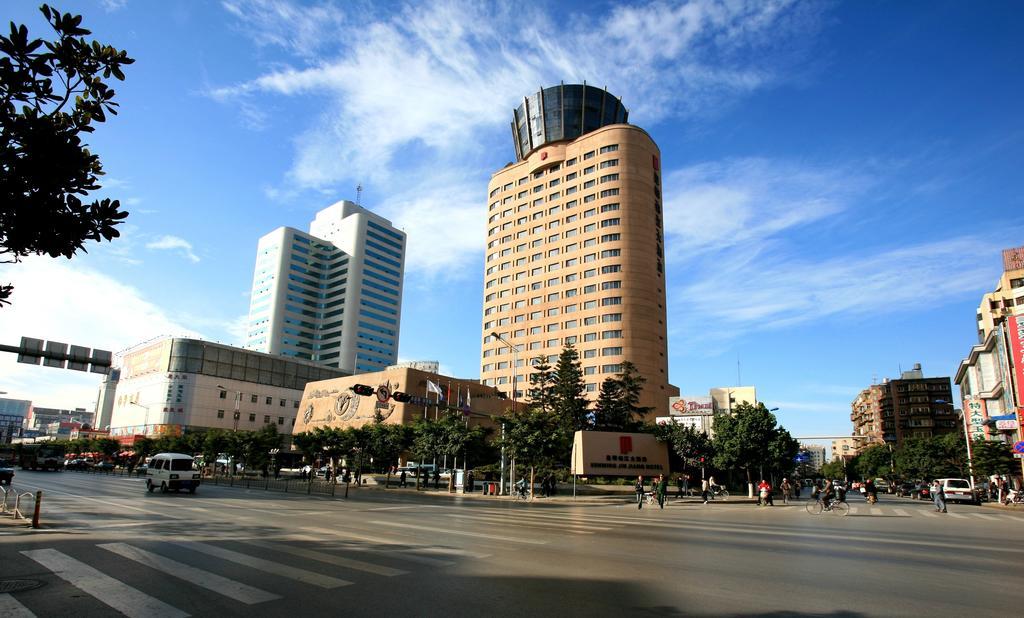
pixel 521 488
pixel 828 494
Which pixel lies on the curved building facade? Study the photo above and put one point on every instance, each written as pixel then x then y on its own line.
pixel 563 112
pixel 575 255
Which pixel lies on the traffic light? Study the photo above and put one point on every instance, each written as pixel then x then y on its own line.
pixel 401 397
pixel 362 389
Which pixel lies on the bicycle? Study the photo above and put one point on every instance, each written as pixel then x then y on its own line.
pixel 718 491
pixel 836 507
pixel 520 493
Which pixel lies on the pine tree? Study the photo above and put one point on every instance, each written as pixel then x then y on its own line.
pixel 569 400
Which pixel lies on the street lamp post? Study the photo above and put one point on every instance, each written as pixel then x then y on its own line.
pixel 145 425
pixel 238 400
pixel 515 370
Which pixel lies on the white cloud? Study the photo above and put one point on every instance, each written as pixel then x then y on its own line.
pixel 174 242
pixel 717 205
pixel 762 289
pixel 440 79
pixel 57 300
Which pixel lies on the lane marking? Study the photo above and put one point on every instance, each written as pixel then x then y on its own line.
pixel 396 546
pixel 348 563
pixel 267 566
pixel 102 587
pixel 853 510
pixel 901 512
pixel 567 527
pixel 480 535
pixel 205 579
pixel 957 515
pixel 877 512
pixel 929 514
pixel 10 608
pixel 983 516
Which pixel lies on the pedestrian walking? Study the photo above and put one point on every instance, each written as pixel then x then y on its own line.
pixel 786 488
pixel 639 489
pixel 437 478
pixel 679 486
pixel 401 479
pixel 662 490
pixel 704 490
pixel 939 496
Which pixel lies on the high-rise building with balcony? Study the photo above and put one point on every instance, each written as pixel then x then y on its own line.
pixel 333 295
pixel 912 406
pixel 575 245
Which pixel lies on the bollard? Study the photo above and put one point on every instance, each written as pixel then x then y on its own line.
pixel 35 514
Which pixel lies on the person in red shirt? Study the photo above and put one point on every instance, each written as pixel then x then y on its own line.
pixel 764 491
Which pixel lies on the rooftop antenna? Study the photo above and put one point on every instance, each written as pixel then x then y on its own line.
pixel 359 194
pixel 739 380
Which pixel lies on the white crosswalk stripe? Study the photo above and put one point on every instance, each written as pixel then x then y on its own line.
pixel 983 516
pixel 116 594
pixel 205 579
pixel 341 561
pixel 483 535
pixel 267 566
pixel 929 514
pixel 956 515
pixel 512 520
pixel 10 608
pixel 901 512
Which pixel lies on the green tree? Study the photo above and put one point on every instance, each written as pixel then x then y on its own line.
pixel 535 437
pixel 385 444
pixel 991 458
pixel 542 384
pixel 618 404
pixel 51 92
pixel 693 446
pixel 872 462
pixel 107 446
pixel 568 389
pixel 782 450
pixel 931 458
pixel 834 469
pixel 749 439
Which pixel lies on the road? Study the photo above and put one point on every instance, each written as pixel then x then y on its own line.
pixel 112 549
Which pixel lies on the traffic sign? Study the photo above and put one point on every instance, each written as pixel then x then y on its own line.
pixel 1018 447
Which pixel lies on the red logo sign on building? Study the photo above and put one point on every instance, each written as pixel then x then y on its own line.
pixel 625 445
pixel 544 155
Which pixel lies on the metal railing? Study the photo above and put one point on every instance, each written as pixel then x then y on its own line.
pixel 15 509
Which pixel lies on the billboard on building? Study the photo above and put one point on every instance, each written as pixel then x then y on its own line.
pixel 610 453
pixel 688 405
pixel 697 422
pixel 151 359
pixel 1017 353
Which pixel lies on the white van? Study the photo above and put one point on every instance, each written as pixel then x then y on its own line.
pixel 959 490
pixel 172 471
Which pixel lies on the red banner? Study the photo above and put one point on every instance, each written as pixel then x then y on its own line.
pixel 1017 353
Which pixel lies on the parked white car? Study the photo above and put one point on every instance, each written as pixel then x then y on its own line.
pixel 958 490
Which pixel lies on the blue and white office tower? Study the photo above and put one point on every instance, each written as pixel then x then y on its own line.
pixel 334 295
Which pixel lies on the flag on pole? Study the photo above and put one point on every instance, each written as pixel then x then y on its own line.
pixel 434 388
pixel 469 399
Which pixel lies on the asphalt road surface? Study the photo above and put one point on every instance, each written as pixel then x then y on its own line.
pixel 109 548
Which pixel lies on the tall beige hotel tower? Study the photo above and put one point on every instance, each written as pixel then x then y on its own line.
pixel 575 247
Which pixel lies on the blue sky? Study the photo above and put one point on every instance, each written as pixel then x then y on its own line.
pixel 839 177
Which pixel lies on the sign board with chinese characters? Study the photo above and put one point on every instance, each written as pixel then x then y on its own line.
pixel 976 417
pixel 1006 425
pixel 1016 328
pixel 697 422
pixel 611 453
pixel 690 405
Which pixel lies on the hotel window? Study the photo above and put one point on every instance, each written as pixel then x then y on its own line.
pixel 571 218
pixel 589 371
pixel 571 262
pixel 590 289
pixel 554 196
pixel 590 272
pixel 534 345
pixel 570 278
pixel 609 148
pixel 608 178
pixel 611 285
pixel 590 304
pixel 552 297
pixel 570 162
pixel 553 312
pixel 571 233
pixel 589 198
pixel 590 242
pixel 220 413
pixel 611 317
pixel 535 330
pixel 588 170
pixel 266 418
pixel 552 327
pixel 589 337
pixel 590 227
pixel 570 340
pixel 522 194
pixel 611 368
pixel 522 181
pixel 252 418
pixel 609 207
pixel 572 324
pixel 611 300
pixel 592 320
pixel 553 253
pixel 608 163
pixel 554 182
pixel 607 253
pixel 254 398
pixel 589 353
pixel 590 257
pixel 609 192
pixel 270 400
pixel 616 351
pixel 589 155
pixel 553 281
pixel 610 222
pixel 551 343
pixel 611 334
pixel 610 237
pixel 587 185
pixel 570 204
pixel 570 191
pixel 611 268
